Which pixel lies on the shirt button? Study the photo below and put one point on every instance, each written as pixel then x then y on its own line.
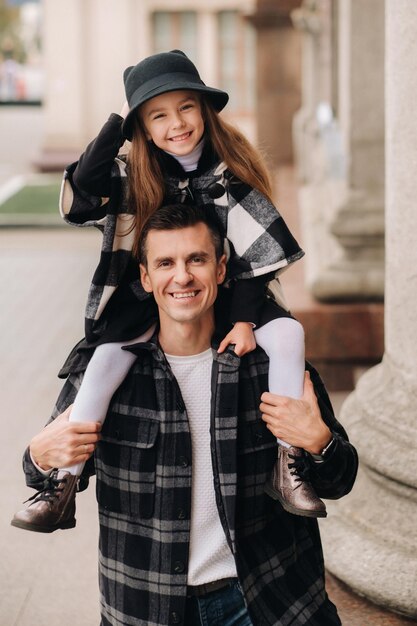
pixel 180 514
pixel 175 618
pixel 183 461
pixel 179 567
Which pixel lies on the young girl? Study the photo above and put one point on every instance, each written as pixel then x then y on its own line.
pixel 181 150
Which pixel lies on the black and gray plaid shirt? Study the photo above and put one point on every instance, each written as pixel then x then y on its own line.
pixel 144 467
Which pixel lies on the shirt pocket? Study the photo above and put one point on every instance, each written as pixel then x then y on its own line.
pixel 126 465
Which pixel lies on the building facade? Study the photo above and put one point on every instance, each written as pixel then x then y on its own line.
pixel 84 61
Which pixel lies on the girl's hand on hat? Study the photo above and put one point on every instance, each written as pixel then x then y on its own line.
pixel 242 337
pixel 125 109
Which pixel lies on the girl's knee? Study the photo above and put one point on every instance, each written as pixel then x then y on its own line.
pixel 109 358
pixel 295 332
pixel 106 352
pixel 284 337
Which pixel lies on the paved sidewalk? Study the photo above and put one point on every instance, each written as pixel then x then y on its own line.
pixel 44 276
pixel 52 579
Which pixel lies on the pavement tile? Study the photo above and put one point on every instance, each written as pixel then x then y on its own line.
pixel 44 278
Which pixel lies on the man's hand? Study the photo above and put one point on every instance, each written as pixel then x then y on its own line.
pixel 62 443
pixel 242 336
pixel 298 422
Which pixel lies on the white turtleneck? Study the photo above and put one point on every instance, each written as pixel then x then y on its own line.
pixel 189 161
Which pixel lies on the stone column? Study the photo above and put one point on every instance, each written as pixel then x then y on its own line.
pixel 307 19
pixel 64 53
pixel 370 538
pixel 320 160
pixel 356 270
pixel 84 62
pixel 207 40
pixel 278 77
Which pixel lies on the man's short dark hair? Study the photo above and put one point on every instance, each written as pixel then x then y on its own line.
pixel 177 216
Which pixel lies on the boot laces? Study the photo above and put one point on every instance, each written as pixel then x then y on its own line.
pixel 299 469
pixel 52 487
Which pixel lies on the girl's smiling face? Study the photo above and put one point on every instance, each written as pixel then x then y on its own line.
pixel 173 121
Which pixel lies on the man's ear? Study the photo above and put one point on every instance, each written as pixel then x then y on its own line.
pixel 144 278
pixel 221 269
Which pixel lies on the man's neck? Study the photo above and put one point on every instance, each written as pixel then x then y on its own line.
pixel 185 339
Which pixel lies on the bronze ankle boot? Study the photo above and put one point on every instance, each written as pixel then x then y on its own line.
pixel 296 495
pixel 52 508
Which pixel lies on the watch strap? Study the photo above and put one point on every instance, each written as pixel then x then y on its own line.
pixel 322 455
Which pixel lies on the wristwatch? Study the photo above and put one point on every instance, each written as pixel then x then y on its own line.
pixel 323 453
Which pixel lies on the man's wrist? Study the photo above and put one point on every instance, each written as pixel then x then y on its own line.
pixel 40 466
pixel 42 469
pixel 250 324
pixel 323 438
pixel 321 456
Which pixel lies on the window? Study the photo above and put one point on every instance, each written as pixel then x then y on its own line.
pixel 175 30
pixel 237 60
pixel 236 45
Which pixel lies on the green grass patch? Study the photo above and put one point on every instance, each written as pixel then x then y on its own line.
pixel 41 199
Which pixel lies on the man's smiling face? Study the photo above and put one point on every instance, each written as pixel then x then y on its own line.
pixel 183 273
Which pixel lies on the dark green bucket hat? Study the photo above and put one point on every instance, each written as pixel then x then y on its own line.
pixel 160 73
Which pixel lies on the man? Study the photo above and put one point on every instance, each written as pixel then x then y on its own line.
pixel 187 533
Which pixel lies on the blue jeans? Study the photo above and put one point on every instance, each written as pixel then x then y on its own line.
pixel 224 607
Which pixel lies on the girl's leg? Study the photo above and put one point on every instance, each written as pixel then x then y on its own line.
pixel 105 372
pixel 283 341
pixel 54 507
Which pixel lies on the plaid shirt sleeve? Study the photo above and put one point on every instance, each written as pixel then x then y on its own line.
pixel 334 477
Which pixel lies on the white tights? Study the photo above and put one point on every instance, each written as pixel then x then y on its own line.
pixel 282 339
pixel 105 372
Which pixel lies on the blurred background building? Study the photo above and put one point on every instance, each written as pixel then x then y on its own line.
pixel 68 59
pixel 326 88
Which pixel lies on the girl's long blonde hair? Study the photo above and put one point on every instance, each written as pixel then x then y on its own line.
pixel 146 180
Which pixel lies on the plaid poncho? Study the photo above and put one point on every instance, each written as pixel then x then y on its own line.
pixel 257 240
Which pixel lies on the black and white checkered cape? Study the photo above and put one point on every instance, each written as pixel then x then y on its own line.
pixel 143 465
pixel 257 240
